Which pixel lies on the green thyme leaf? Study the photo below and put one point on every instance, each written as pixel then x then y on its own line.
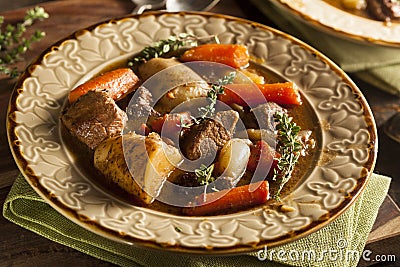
pixel 288 147
pixel 213 93
pixel 163 47
pixel 204 174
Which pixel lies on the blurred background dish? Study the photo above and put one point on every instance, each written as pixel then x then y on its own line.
pixel 361 46
pixel 351 25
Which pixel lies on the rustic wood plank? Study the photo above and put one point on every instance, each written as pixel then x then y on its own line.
pixel 388 222
pixel 390 212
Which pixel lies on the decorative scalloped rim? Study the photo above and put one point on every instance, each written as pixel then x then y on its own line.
pixel 346 160
pixel 343 24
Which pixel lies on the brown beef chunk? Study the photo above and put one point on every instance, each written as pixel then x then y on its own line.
pixel 204 139
pixel 209 136
pixel 140 110
pixel 264 115
pixel 228 119
pixel 141 105
pixel 93 118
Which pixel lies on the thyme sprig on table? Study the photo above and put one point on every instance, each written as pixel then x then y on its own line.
pixel 162 47
pixel 13 45
pixel 289 148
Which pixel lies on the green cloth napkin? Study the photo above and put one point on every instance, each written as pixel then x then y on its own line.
pixel 379 66
pixel 348 232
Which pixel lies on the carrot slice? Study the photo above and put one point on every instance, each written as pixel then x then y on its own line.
pixel 170 123
pixel 230 199
pixel 118 83
pixel 241 94
pixel 233 55
pixel 286 94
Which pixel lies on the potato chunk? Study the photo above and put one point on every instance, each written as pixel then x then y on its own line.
pixel 142 169
pixel 172 83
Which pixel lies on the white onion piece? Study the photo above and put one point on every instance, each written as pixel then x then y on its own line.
pixel 233 158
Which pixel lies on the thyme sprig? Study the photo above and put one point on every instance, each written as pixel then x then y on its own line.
pixel 13 45
pixel 212 96
pixel 162 47
pixel 204 176
pixel 288 146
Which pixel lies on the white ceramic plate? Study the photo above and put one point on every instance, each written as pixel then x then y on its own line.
pixel 335 21
pixel 345 160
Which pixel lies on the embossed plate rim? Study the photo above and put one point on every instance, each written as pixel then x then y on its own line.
pixel 32 115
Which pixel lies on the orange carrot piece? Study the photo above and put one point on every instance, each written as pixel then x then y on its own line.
pixel 286 94
pixel 170 123
pixel 118 83
pixel 233 55
pixel 230 199
pixel 241 94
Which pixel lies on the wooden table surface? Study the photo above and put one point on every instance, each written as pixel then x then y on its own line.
pixel 20 247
